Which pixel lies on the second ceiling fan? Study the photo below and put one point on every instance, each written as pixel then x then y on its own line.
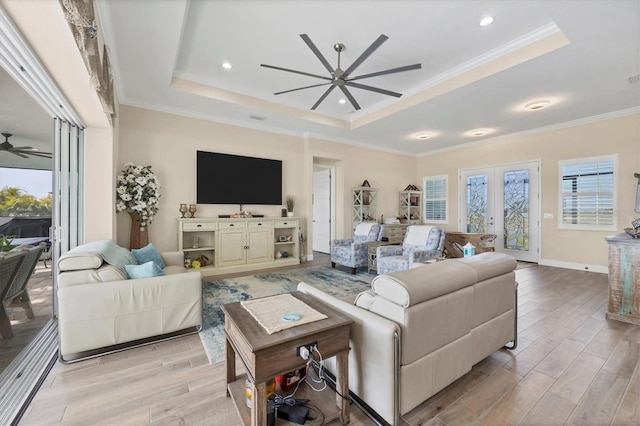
pixel 342 78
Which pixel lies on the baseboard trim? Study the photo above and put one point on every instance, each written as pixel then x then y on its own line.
pixel 309 257
pixel 576 266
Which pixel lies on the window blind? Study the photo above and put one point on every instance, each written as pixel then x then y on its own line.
pixel 435 196
pixel 588 193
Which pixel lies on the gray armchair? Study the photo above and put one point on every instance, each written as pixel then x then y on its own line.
pixel 353 252
pixel 420 244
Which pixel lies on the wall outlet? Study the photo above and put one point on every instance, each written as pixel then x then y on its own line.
pixel 304 351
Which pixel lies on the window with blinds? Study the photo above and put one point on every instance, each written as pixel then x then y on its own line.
pixel 587 192
pixel 435 199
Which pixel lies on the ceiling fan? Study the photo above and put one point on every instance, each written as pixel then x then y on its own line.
pixel 21 151
pixel 342 78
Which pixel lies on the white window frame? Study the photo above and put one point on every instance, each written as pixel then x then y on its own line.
pixel 589 227
pixel 445 199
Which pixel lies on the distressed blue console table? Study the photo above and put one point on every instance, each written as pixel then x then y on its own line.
pixel 624 278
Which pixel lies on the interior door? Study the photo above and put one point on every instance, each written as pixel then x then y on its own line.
pixel 503 200
pixel 322 210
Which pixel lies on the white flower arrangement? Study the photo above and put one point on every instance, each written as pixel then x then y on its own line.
pixel 138 191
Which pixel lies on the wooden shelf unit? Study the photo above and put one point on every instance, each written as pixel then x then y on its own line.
pixel 410 207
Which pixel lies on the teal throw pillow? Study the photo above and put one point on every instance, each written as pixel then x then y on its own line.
pixel 146 270
pixel 148 254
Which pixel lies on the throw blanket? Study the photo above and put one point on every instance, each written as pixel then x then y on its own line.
pixel 112 253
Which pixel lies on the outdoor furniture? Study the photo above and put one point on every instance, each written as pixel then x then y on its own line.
pixel 16 269
pixel 420 244
pixel 353 252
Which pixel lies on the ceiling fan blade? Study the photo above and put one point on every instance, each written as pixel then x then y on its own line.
pixel 19 154
pixel 390 71
pixel 41 154
pixel 350 97
pixel 316 52
pixel 23 148
pixel 373 89
pixel 296 72
pixel 324 95
pixel 365 54
pixel 301 88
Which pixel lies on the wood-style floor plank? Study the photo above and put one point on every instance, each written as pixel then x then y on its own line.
pixel 571 366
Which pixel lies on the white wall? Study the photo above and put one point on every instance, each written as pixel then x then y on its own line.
pixel 169 143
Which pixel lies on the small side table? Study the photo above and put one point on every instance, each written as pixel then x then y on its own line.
pixel 372 246
pixel 268 355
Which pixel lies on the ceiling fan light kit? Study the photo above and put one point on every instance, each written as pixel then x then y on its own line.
pixel 21 151
pixel 342 78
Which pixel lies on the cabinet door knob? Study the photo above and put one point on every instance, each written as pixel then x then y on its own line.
pixel 231 224
pixel 199 226
pixel 259 224
pixel 285 223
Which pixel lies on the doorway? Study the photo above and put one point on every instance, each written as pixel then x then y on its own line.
pixel 323 207
pixel 503 200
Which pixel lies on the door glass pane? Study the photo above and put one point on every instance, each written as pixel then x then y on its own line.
pixel 516 210
pixel 477 201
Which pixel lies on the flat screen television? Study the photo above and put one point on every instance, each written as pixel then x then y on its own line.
pixel 234 179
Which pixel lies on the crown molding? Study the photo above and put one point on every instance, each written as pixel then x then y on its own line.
pixel 557 126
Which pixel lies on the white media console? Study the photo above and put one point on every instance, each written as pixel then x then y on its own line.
pixel 240 244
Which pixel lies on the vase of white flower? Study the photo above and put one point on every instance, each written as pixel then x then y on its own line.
pixel 138 193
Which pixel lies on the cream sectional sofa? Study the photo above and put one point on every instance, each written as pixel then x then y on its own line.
pixel 417 331
pixel 99 307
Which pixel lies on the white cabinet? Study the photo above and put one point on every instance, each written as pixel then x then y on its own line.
pixel 365 205
pixel 243 244
pixel 410 206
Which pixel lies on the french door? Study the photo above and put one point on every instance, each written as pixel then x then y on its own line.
pixel 503 200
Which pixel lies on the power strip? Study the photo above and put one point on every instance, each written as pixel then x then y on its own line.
pixel 293 413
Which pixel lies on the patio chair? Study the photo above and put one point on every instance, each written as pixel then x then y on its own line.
pixel 14 289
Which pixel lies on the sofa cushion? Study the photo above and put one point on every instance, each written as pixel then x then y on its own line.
pixel 107 250
pixel 146 270
pixel 489 264
pixel 148 253
pixel 410 287
pixel 174 269
pixel 105 273
pixel 79 261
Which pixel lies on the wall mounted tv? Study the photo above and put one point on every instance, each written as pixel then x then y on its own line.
pixel 234 179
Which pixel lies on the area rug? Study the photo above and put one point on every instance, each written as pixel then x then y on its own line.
pixel 217 293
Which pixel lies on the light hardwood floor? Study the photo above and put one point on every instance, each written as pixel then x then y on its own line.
pixel 572 366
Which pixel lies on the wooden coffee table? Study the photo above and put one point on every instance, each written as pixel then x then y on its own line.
pixel 268 355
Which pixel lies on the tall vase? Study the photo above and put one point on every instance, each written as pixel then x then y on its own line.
pixel 137 238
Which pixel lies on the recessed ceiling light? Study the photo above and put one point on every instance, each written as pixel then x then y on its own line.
pixel 342 101
pixel 478 132
pixel 226 65
pixel 536 105
pixel 487 20
pixel 423 136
